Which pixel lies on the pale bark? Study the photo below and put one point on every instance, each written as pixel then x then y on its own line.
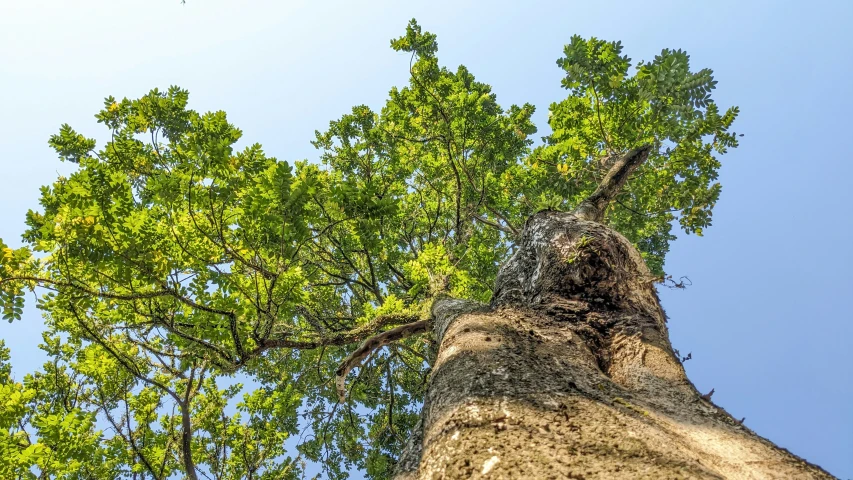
pixel 569 373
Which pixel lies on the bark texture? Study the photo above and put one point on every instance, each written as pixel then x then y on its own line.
pixel 569 373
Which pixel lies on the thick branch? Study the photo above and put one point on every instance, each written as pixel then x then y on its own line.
pixel 187 430
pixel 356 334
pixel 371 344
pixel 595 205
pixel 88 291
pixel 165 292
pixel 492 224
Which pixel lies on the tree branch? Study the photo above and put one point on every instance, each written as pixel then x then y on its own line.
pixel 492 224
pixel 595 205
pixel 187 429
pixel 370 345
pixel 340 338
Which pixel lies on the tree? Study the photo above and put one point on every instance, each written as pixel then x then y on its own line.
pixel 496 298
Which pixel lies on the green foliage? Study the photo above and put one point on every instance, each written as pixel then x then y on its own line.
pixel 611 109
pixel 169 261
pixel 67 444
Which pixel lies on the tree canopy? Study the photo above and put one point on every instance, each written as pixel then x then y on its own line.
pixel 169 261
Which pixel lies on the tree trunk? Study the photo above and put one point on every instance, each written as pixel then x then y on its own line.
pixel 569 373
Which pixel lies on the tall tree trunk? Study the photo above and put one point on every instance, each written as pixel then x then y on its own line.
pixel 569 373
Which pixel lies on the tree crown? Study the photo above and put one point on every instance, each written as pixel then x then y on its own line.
pixel 169 261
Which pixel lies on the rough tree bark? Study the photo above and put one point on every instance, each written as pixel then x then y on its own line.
pixel 569 373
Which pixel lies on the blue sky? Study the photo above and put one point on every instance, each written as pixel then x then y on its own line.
pixel 768 318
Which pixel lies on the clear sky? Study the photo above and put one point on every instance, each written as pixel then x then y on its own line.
pixel 768 318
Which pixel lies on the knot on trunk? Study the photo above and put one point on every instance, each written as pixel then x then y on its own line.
pixel 565 260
